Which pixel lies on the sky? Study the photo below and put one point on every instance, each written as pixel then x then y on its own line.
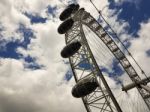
pixel 33 75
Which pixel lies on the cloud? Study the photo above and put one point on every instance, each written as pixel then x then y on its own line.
pixel 10 19
pixel 141 44
pixel 35 91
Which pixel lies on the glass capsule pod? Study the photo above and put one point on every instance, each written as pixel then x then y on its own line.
pixel 72 8
pixel 84 87
pixel 65 26
pixel 70 49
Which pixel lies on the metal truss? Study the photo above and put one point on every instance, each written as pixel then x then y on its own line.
pixel 102 99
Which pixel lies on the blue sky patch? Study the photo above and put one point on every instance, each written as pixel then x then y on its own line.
pixel 68 75
pixel 10 48
pixel 29 59
pixel 126 43
pixel 35 18
pixel 27 35
pixel 9 51
pixel 51 10
pixel 132 13
pixel 148 52
pixel 1 28
pixel 114 72
pixel 31 63
pixel 85 65
pixel 33 66
pixel 116 68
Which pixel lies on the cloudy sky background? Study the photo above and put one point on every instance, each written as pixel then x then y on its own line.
pixel 32 72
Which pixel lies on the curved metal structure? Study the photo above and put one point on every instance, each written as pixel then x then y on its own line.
pixel 99 99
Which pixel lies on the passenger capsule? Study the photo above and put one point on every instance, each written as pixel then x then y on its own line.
pixel 70 49
pixel 84 87
pixel 65 26
pixel 75 7
pixel 68 11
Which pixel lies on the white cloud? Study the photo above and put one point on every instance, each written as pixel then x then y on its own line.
pixel 10 19
pixel 35 91
pixel 140 45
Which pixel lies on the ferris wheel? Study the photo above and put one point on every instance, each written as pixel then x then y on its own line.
pixel 91 84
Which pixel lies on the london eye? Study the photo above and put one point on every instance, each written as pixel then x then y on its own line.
pixel 88 47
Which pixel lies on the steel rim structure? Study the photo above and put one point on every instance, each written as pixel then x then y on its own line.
pixel 101 99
